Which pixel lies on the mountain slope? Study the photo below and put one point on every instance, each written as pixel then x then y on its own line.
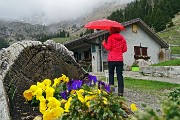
pixel 75 27
pixel 172 35
pixel 15 31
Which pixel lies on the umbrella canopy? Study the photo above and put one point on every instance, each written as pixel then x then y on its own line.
pixel 103 24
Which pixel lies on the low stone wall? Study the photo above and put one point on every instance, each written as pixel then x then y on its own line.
pixel 175 56
pixel 161 71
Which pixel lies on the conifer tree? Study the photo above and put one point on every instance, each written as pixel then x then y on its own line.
pixel 3 43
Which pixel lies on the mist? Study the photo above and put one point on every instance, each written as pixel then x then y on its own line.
pixel 49 11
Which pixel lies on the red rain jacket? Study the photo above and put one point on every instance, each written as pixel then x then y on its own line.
pixel 116 46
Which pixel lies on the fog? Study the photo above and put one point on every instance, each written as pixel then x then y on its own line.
pixel 49 11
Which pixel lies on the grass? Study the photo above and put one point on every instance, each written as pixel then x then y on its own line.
pixel 175 49
pixel 148 85
pixel 62 40
pixel 175 62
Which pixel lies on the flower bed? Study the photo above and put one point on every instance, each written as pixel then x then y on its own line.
pixel 76 99
pixel 90 99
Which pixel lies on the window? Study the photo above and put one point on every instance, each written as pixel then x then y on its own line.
pixel 134 28
pixel 140 52
pixel 87 55
pixel 93 48
pixel 76 56
pixel 79 56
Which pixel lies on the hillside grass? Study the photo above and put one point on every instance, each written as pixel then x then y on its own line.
pixel 175 62
pixel 175 49
pixel 61 40
pixel 172 35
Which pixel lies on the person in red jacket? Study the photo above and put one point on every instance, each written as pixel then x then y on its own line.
pixel 116 46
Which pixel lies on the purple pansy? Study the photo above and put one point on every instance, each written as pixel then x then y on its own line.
pixel 64 95
pixel 107 87
pixel 74 85
pixel 92 78
pixel 104 85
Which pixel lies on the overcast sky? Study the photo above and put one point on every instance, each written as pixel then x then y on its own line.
pixel 51 11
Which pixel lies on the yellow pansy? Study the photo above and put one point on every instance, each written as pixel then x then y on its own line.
pixel 56 82
pixel 47 82
pixel 67 105
pixel 67 79
pixel 53 103
pixel 105 100
pixel 88 104
pixel 42 105
pixel 133 107
pixel 53 114
pixel 33 89
pixel 81 99
pixel 57 112
pixel 28 94
pixel 63 77
pixel 38 93
pixel 89 97
pixel 63 101
pixel 73 91
pixel 79 92
pixel 99 91
pixel 41 85
pixel 90 93
pixel 49 92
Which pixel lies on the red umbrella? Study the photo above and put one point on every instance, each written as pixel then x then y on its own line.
pixel 103 24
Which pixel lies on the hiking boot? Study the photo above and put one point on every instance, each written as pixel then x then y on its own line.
pixel 120 94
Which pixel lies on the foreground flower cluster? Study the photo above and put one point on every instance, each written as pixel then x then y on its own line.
pixel 75 99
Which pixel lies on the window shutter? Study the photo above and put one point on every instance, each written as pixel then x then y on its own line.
pixel 144 51
pixel 137 50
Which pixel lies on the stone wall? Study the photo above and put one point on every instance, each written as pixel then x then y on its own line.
pixel 161 71
pixel 23 64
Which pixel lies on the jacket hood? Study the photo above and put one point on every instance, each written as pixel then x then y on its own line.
pixel 117 36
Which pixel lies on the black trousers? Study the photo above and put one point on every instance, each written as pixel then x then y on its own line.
pixel 119 68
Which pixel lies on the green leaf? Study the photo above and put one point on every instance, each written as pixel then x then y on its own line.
pixel 35 102
pixel 110 114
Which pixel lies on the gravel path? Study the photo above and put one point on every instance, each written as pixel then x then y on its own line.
pixel 141 97
pixel 150 99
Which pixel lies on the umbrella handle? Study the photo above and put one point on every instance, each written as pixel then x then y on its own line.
pixel 106 37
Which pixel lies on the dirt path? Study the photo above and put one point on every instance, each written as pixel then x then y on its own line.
pixel 139 97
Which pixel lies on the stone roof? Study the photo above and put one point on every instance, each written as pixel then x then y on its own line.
pixel 138 21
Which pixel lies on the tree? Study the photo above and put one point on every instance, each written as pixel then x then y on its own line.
pixel 159 20
pixel 156 13
pixel 3 43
